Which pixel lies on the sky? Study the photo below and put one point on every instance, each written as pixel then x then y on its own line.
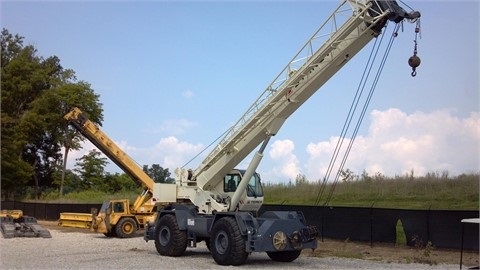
pixel 174 75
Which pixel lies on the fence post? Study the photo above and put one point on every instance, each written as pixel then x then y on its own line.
pixel 428 224
pixel 371 224
pixel 322 221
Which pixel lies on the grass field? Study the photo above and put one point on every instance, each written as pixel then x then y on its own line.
pixel 434 192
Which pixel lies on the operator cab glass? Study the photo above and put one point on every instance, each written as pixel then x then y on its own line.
pixel 254 187
pixel 231 182
pixel 118 207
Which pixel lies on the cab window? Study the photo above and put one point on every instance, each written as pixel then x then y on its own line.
pixel 231 182
pixel 254 188
pixel 118 207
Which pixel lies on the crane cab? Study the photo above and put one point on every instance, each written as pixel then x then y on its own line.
pixel 252 198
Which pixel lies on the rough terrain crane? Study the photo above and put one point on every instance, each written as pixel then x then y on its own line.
pixel 204 207
pixel 116 217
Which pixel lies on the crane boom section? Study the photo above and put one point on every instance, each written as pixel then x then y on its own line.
pixel 96 136
pixel 310 68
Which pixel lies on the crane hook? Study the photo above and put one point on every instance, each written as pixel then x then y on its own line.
pixel 414 61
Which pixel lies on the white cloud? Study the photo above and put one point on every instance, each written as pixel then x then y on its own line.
pixel 172 153
pixel 87 146
pixel 398 143
pixel 74 155
pixel 319 158
pixel 175 126
pixel 169 153
pixel 287 164
pixel 188 94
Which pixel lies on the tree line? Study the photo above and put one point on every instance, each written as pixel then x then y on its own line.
pixel 36 92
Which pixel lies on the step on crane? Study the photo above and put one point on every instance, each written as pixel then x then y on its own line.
pixel 203 206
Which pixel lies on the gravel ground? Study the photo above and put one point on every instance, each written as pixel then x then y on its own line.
pixel 76 250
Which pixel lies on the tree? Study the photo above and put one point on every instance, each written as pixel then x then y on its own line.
pixel 158 174
pixel 120 182
pixel 54 104
pixel 21 81
pixel 301 179
pixel 91 169
pixel 36 93
pixel 73 182
pixel 347 175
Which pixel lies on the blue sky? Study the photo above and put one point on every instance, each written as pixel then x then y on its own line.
pixel 174 75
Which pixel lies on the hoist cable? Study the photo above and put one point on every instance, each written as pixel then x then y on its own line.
pixel 367 102
pixel 405 4
pixel 348 119
pixel 343 132
pixel 208 146
pixel 363 112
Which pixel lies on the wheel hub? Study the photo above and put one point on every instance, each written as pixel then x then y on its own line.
pixel 164 236
pixel 279 240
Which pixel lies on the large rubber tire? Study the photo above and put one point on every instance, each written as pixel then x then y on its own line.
pixel 227 244
pixel 169 239
pixel 111 234
pixel 126 228
pixel 284 256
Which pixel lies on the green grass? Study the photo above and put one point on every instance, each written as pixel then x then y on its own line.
pixel 89 196
pixel 432 192
pixel 400 234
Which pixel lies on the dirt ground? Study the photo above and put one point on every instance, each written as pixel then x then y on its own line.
pixel 394 254
pixel 359 250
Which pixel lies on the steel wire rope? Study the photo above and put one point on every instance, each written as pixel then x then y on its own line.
pixel 367 102
pixel 364 109
pixel 206 147
pixel 348 119
pixel 405 4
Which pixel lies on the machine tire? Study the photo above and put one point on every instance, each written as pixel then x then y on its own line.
pixel 110 234
pixel 227 244
pixel 126 228
pixel 284 256
pixel 169 239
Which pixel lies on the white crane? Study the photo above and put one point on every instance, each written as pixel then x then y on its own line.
pixel 203 208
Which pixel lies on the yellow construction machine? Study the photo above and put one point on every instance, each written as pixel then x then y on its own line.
pixel 116 217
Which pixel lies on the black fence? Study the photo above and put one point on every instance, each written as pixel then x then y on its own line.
pixel 47 211
pixel 442 228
